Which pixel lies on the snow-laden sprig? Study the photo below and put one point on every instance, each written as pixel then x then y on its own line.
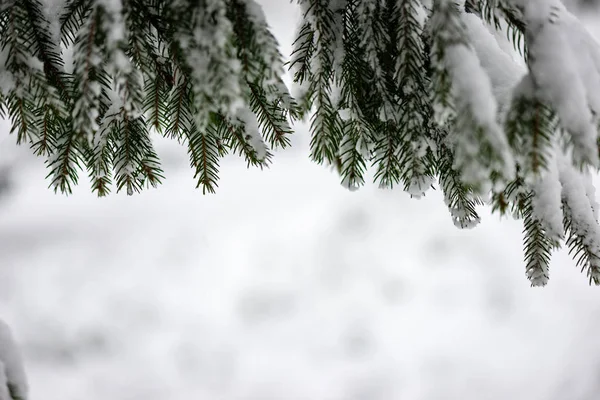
pixel 64 163
pixel 31 72
pixel 354 97
pixel 376 40
pixel 501 65
pixel 209 60
pixel 415 109
pixel 74 15
pixel 262 68
pixel 134 158
pixel 531 129
pixel 510 199
pixel 127 80
pixel 302 56
pixel 580 222
pixel 459 197
pixel 324 34
pixel 38 93
pixel 92 80
pixel 179 109
pixel 389 168
pixel 565 68
pixel 252 34
pixel 220 72
pixel 271 115
pixel 546 201
pixel 242 141
pixel 388 136
pixel 150 56
pixel 204 157
pixel 99 159
pixel 353 147
pixel 537 247
pixel 503 16
pixel 480 145
pixel 134 61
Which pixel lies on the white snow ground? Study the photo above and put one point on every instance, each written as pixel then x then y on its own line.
pixel 282 286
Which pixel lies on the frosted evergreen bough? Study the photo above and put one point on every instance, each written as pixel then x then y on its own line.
pixel 493 101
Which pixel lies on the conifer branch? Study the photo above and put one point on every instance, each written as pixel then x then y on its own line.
pixel 325 126
pixel 271 117
pixel 537 247
pixel 76 12
pixel 393 85
pixel 459 197
pixel 204 158
pixel 585 254
pixel 530 127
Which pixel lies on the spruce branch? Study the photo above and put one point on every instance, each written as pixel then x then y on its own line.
pixel 537 246
pixel 530 127
pixel 475 113
pixel 459 197
pixel 178 110
pixel 374 75
pixel 243 142
pixel 415 109
pixel 302 53
pixel 388 165
pixel 503 16
pixel 580 222
pixel 134 159
pixel 352 163
pixel 326 133
pixel 511 200
pixel 271 114
pixel 92 80
pixel 65 162
pixel 204 158
pixel 75 13
pixel 585 254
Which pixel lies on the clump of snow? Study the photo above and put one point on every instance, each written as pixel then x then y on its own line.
pixel 504 73
pixel 419 184
pixel 547 200
pixel 460 218
pixel 581 214
pixel 475 103
pixel 561 62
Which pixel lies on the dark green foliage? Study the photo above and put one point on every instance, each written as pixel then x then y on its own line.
pixel 386 84
pixel 151 66
pixel 530 128
pixel 537 246
pixel 459 197
pixel 512 199
pixel 581 249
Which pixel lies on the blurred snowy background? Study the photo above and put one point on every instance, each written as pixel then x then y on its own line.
pixel 282 286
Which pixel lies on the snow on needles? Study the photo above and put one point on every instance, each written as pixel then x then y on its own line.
pixel 474 88
pixel 563 63
pixel 473 95
pixel 578 209
pixel 503 72
pixel 547 200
